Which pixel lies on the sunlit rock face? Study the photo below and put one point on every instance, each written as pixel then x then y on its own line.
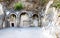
pixel 58 18
pixel 1 16
pixel 1 9
pixel 48 14
pixel 58 22
pixel 48 19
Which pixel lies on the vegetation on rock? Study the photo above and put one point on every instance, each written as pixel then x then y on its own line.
pixel 56 4
pixel 18 6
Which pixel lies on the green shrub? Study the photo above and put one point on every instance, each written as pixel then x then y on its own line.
pixel 18 6
pixel 56 4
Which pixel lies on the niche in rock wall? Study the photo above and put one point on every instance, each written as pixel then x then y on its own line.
pixel 12 20
pixel 12 17
pixel 24 20
pixel 12 24
pixel 35 20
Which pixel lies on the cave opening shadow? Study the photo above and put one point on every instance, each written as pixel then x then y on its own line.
pixel 12 24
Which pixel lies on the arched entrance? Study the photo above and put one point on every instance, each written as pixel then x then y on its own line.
pixel 35 20
pixel 24 20
pixel 12 20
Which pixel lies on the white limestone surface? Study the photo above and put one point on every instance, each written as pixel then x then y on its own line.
pixel 32 32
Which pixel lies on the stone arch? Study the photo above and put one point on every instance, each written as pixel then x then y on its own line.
pixel 11 14
pixel 12 20
pixel 24 19
pixel 23 13
pixel 12 17
pixel 35 18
